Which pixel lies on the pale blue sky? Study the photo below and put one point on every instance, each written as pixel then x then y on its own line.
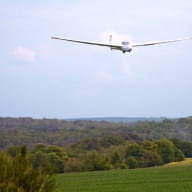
pixel 41 77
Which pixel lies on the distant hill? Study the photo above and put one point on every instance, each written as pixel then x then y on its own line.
pixel 28 131
pixel 120 119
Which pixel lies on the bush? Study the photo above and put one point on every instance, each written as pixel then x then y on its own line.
pixel 16 174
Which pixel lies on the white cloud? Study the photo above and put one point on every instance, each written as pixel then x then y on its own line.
pixel 24 54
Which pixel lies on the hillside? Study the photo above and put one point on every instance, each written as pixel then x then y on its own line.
pixel 18 131
pixel 120 119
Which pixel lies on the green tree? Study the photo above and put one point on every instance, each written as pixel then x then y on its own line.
pixel 135 150
pixel 88 144
pixel 13 150
pixel 149 145
pixel 132 162
pixel 116 160
pixel 17 175
pixel 179 156
pixel 184 146
pixel 73 165
pixel 166 149
pixel 39 147
pixel 95 162
pixel 40 161
pixel 49 158
pixel 56 162
pixel 112 140
pixel 151 158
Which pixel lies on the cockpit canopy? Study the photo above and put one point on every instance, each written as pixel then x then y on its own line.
pixel 125 43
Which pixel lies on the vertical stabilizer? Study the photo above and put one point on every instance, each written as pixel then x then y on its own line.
pixel 110 39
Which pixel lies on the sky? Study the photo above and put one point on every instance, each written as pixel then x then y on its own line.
pixel 45 78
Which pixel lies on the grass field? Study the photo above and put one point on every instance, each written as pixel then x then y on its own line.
pixel 158 179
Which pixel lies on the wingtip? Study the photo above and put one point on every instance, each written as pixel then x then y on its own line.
pixel 54 38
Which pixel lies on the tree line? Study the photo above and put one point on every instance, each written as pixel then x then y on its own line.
pixel 109 152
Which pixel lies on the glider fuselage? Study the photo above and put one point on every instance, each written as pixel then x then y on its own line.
pixel 125 47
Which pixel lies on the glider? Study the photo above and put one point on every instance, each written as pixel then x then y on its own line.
pixel 125 46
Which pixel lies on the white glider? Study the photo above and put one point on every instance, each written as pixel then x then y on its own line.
pixel 125 46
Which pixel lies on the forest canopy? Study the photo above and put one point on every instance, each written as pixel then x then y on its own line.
pixel 28 131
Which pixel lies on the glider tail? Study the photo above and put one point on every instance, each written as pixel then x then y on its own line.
pixel 110 40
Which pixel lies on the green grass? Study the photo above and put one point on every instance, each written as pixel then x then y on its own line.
pixel 158 179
